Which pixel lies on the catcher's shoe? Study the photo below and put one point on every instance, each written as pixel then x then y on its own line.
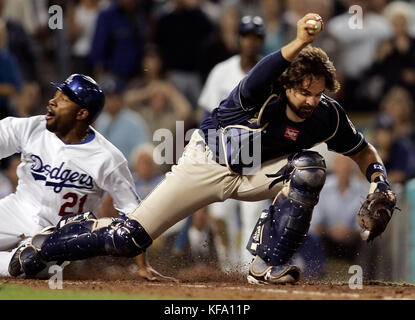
pixel 261 273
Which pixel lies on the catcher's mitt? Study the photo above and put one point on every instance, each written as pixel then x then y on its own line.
pixel 376 211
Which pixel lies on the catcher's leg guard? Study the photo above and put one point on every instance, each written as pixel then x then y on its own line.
pixel 81 236
pixel 282 228
pixel 29 255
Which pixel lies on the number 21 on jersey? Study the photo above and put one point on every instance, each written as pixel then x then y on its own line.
pixel 72 201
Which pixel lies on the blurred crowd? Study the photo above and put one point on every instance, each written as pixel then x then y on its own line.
pixel 156 59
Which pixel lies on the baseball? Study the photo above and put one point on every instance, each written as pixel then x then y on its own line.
pixel 365 235
pixel 315 26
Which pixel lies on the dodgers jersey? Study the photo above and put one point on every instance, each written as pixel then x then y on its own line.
pixel 56 179
pixel 280 136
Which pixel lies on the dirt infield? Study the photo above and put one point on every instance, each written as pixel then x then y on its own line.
pixel 102 275
pixel 231 289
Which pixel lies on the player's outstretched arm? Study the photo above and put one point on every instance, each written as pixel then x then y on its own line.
pixel 365 157
pixel 376 211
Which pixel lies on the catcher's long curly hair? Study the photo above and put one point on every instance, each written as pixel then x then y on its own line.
pixel 310 62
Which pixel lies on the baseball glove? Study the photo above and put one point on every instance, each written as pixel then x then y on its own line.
pixel 376 211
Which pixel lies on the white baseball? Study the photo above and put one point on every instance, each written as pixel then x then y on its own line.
pixel 315 26
pixel 365 235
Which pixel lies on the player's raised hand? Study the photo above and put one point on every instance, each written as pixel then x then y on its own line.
pixel 308 27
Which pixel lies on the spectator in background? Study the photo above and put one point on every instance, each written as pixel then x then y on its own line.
pixel 152 69
pixel 22 12
pixel 160 104
pixel 22 47
pixel 146 174
pixel 276 26
pixel 334 217
pixel 153 65
pixel 295 9
pixel 226 75
pixel 157 100
pixel 395 60
pixel 123 127
pixel 223 43
pixel 359 48
pixel 8 176
pixel 118 42
pixel 10 76
pixel 180 35
pixel 82 19
pixel 28 101
pixel 397 153
pixel 398 104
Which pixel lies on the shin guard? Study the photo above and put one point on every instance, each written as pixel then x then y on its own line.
pixel 282 228
pixel 79 237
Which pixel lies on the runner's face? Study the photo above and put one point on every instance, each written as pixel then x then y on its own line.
pixel 61 113
pixel 302 101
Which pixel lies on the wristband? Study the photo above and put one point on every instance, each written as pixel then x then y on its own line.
pixel 375 167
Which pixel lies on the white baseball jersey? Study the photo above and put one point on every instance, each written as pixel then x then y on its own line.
pixel 56 179
pixel 220 82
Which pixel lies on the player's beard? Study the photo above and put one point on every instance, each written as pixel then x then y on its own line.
pixel 303 112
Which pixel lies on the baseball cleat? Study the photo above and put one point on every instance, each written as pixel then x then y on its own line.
pixel 261 273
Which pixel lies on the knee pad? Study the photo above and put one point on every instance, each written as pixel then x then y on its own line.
pixel 307 177
pixel 282 228
pixel 78 238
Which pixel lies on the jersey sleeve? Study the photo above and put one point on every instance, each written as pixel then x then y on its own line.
pixel 258 84
pixel 119 184
pixel 12 131
pixel 346 139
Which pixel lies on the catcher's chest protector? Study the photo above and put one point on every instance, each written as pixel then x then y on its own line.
pixel 282 228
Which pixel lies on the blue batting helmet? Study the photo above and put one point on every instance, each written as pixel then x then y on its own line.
pixel 84 91
pixel 252 24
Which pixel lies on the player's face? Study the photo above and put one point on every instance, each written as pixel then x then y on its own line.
pixel 61 113
pixel 302 101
